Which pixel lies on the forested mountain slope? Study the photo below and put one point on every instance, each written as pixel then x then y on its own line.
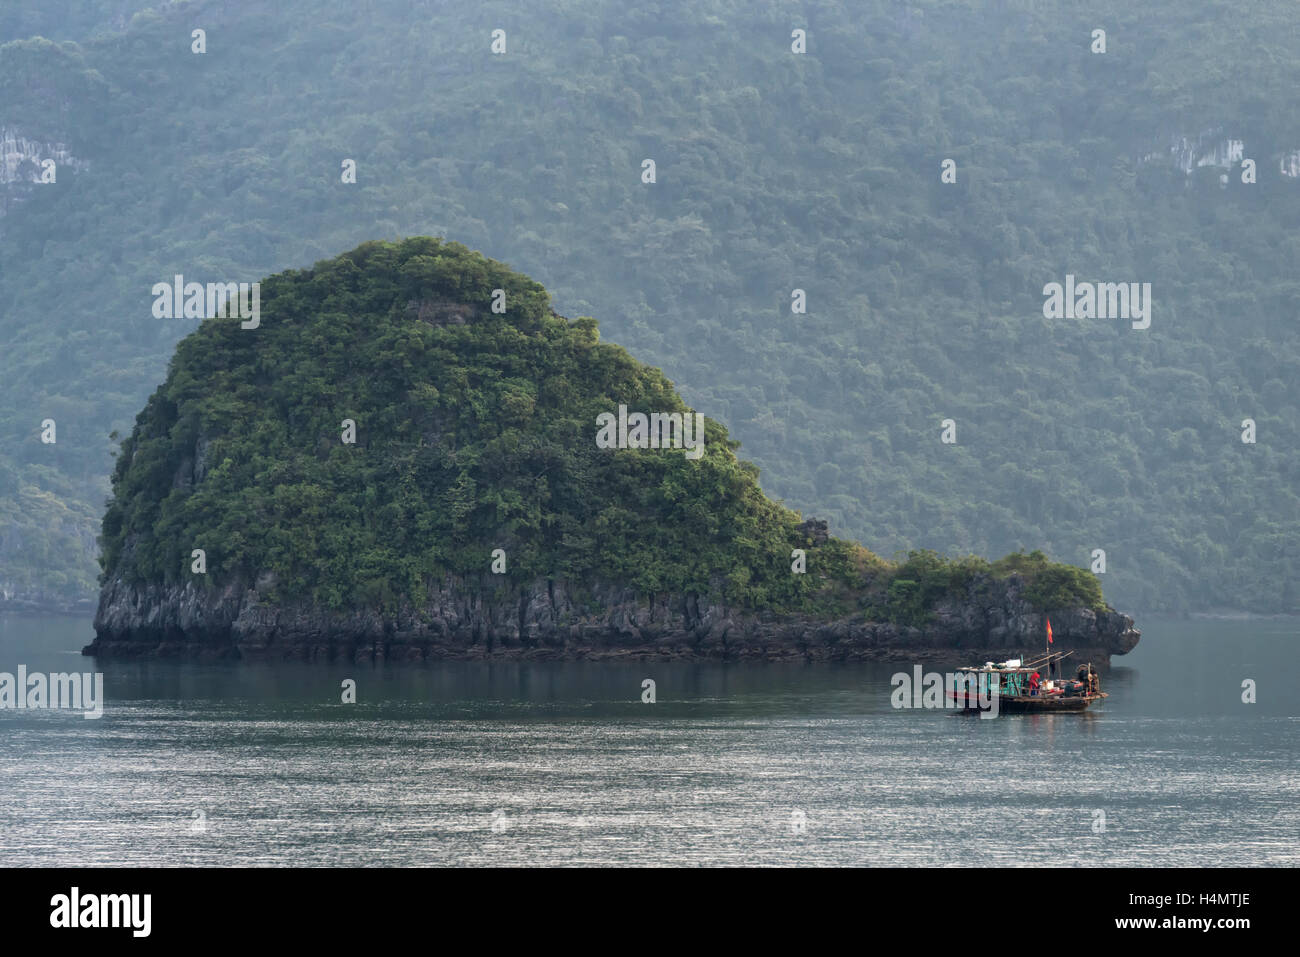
pixel 775 171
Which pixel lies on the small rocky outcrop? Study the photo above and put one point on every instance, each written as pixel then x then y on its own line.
pixel 412 456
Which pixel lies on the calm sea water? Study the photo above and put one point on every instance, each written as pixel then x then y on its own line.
pixel 562 763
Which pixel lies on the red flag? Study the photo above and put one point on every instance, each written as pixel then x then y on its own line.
pixel 1049 631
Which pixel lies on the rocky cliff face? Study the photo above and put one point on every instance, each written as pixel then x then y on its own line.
pixel 21 158
pixel 22 165
pixel 1216 149
pixel 477 619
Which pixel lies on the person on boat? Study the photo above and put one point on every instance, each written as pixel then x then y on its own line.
pixel 1033 683
pixel 1089 679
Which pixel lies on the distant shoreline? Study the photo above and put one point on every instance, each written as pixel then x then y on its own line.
pixel 1231 614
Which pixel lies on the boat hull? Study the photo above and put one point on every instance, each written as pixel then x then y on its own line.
pixel 1022 704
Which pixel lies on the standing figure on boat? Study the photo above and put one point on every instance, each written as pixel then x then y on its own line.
pixel 1089 678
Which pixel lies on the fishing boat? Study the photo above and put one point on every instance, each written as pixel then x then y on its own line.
pixel 1020 686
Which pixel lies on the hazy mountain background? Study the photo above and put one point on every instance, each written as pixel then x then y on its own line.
pixel 775 171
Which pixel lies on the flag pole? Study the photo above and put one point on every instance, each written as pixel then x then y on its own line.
pixel 1048 646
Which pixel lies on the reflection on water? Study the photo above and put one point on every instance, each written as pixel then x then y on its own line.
pixel 562 763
